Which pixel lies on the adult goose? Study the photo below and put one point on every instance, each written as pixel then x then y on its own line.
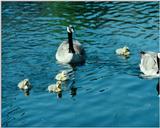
pixel 150 63
pixel 70 51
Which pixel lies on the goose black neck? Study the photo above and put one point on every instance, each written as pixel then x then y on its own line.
pixel 70 41
pixel 158 61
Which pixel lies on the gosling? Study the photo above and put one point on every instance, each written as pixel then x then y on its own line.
pixel 63 76
pixel 123 51
pixel 24 85
pixel 55 87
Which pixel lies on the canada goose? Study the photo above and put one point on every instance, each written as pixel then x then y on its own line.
pixel 123 51
pixel 70 51
pixel 24 85
pixel 150 63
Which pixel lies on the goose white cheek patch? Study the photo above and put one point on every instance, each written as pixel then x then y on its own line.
pixel 68 29
pixel 158 55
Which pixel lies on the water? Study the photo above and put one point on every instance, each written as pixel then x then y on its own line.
pixel 106 91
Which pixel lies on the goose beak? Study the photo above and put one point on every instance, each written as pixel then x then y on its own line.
pixel 142 53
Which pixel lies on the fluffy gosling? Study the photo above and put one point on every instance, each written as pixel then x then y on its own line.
pixel 63 76
pixel 24 85
pixel 55 87
pixel 123 51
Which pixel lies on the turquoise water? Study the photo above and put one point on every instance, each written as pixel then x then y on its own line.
pixel 106 91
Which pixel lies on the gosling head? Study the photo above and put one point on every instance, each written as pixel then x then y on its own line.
pixel 64 73
pixel 70 29
pixel 126 48
pixel 26 81
pixel 27 84
pixel 59 83
pixel 24 85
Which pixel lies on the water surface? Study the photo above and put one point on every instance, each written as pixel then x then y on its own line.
pixel 106 91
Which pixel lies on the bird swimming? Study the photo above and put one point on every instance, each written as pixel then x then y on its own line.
pixel 24 85
pixel 70 51
pixel 123 51
pixel 150 63
pixel 62 76
pixel 55 87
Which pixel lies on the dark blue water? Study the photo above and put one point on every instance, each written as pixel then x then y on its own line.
pixel 106 91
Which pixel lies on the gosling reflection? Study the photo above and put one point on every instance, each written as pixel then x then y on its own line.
pixel 73 91
pixel 59 94
pixel 26 93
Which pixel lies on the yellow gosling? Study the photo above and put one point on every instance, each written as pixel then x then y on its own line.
pixel 55 87
pixel 63 76
pixel 24 84
pixel 123 51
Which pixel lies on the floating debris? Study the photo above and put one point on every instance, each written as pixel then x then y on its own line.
pixel 24 85
pixel 63 76
pixel 123 51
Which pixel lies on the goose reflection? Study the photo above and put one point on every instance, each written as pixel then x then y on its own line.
pixel 158 88
pixel 72 89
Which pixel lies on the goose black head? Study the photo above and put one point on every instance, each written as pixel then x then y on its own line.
pixel 70 29
pixel 142 52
